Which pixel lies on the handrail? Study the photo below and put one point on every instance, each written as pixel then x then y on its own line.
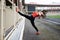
pixel 11 2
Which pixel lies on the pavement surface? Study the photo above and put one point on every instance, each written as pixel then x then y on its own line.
pixel 49 31
pixel 54 19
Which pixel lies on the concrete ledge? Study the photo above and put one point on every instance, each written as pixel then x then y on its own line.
pixel 18 32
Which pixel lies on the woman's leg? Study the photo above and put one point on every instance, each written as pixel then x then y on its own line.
pixel 26 16
pixel 33 24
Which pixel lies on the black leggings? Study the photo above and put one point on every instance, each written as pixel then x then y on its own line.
pixel 31 20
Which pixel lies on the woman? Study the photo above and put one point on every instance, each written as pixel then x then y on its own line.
pixel 32 18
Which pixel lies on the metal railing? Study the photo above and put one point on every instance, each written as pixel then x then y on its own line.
pixel 11 31
pixel 6 33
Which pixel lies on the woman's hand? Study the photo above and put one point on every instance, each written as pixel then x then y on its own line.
pixel 17 10
pixel 41 14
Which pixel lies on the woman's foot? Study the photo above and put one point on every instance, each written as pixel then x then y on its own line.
pixel 37 33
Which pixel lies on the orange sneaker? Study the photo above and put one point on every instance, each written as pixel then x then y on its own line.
pixel 37 33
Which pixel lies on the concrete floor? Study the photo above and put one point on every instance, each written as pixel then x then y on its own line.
pixel 47 30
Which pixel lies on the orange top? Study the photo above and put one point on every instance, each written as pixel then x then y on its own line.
pixel 35 14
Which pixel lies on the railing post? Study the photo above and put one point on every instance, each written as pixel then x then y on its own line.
pixel 2 20
pixel 14 11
